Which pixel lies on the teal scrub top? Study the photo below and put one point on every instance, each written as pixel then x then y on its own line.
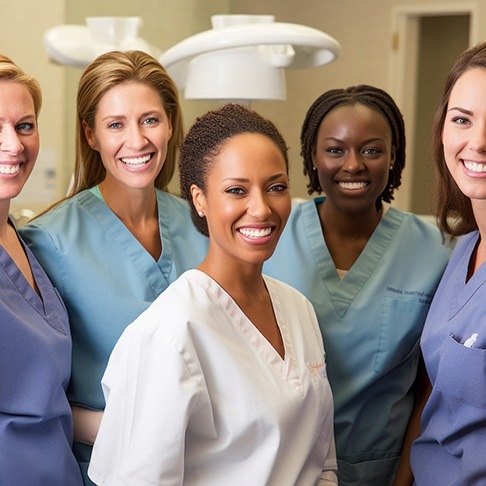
pixel 106 277
pixel 371 322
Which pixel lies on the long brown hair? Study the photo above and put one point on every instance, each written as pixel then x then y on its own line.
pixel 452 208
pixel 105 72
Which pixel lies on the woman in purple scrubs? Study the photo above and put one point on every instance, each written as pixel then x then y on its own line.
pixel 35 342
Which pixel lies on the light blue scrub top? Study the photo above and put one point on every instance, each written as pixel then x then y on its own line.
pixel 371 322
pixel 107 278
pixel 451 449
pixel 35 365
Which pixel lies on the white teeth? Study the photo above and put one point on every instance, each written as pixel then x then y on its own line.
pixel 255 233
pixel 474 166
pixel 136 160
pixel 352 185
pixel 9 169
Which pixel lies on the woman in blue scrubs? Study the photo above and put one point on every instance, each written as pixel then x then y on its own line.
pixel 370 272
pixel 35 342
pixel 452 444
pixel 120 238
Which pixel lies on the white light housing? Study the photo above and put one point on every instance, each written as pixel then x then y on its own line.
pixel 243 57
pixel 78 45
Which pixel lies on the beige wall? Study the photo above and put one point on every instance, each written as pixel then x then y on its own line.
pixel 364 29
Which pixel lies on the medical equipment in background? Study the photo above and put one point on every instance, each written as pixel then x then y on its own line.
pixel 242 58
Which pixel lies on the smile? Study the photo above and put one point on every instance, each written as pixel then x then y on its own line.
pixel 136 161
pixel 255 233
pixel 9 169
pixel 474 166
pixel 352 185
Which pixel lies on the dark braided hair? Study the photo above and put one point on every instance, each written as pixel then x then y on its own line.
pixel 204 141
pixel 374 98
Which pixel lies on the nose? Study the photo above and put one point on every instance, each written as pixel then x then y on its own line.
pixel 477 141
pixel 9 141
pixel 136 137
pixel 353 162
pixel 258 206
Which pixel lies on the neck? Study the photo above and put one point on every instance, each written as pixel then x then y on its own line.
pixel 130 205
pixel 350 225
pixel 242 281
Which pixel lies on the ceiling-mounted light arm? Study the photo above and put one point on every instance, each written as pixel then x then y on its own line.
pixel 78 45
pixel 243 57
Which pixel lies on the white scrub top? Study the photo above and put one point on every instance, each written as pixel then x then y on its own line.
pixel 197 396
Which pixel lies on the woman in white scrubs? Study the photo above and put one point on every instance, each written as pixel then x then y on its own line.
pixel 223 379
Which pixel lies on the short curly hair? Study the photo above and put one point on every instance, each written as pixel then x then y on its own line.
pixel 375 99
pixel 205 139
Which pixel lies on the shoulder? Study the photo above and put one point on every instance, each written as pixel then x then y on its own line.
pixel 64 220
pixel 172 203
pixel 287 295
pixel 185 300
pixel 420 228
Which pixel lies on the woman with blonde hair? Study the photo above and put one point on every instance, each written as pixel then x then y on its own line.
pixel 35 342
pixel 119 239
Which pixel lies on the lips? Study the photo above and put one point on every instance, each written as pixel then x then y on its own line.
pixel 9 169
pixel 353 186
pixel 255 232
pixel 475 166
pixel 136 161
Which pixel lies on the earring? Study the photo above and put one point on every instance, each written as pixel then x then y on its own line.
pixel 200 214
pixel 391 166
pixel 314 167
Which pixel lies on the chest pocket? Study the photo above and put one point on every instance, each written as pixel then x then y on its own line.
pixel 402 322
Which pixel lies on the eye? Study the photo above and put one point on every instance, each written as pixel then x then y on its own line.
pixel 460 120
pixel 151 120
pixel 334 151
pixel 279 187
pixel 372 151
pixel 114 125
pixel 236 190
pixel 25 127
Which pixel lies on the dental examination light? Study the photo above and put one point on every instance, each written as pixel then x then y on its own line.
pixel 78 45
pixel 244 57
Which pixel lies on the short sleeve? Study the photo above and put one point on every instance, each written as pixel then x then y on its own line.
pixel 150 397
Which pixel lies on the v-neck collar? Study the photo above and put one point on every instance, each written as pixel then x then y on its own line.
pixel 40 303
pixel 343 291
pixel 286 368
pixel 115 228
pixel 465 289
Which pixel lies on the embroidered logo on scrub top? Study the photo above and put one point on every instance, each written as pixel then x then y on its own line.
pixel 317 368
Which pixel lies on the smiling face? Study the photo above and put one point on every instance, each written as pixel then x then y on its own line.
pixel 19 138
pixel 464 134
pixel 247 200
pixel 131 132
pixel 353 156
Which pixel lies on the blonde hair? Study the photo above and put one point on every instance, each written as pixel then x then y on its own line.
pixel 105 72
pixel 11 72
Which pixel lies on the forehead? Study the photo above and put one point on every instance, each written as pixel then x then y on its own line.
pixel 356 118
pixel 470 89
pixel 13 93
pixel 249 152
pixel 129 94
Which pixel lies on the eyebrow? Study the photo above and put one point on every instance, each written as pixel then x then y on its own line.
pixel 123 117
pixel 462 110
pixel 334 139
pixel 243 179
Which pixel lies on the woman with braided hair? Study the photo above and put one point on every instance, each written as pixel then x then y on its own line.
pixel 370 272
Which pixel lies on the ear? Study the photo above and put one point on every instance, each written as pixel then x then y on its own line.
pixel 90 138
pixel 198 199
pixel 393 157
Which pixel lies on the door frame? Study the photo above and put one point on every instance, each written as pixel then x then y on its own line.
pixel 403 69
